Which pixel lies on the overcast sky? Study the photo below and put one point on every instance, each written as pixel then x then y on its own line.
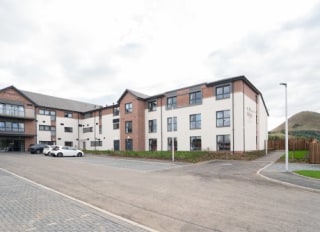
pixel 92 50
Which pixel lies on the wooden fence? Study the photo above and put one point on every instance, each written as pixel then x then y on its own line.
pixel 314 153
pixel 294 144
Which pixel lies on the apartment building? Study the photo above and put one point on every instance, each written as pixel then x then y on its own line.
pixel 225 115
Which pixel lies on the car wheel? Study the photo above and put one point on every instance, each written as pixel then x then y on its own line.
pixel 38 151
pixel 79 154
pixel 59 154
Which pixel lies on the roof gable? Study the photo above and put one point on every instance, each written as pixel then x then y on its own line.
pixel 136 94
pixel 17 91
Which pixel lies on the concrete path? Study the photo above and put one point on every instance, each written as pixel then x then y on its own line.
pixel 277 172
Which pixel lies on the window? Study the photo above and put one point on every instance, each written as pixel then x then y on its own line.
pixel 195 143
pixel 223 142
pixel 68 129
pixel 171 102
pixel 87 129
pixel 88 115
pixel 152 105
pixel 21 111
pixel 152 126
pixel 129 145
pixel 53 130
pixel 97 143
pixel 2 109
pixel 116 145
pixel 45 112
pixel 47 128
pixel 21 127
pixel 115 124
pixel 11 126
pixel 128 127
pixel 128 107
pixel 195 121
pixel 195 98
pixel 68 143
pixel 223 92
pixel 12 110
pixel 2 126
pixel 53 115
pixel 152 144
pixel 170 144
pixel 68 114
pixel 223 118
pixel 172 124
pixel 15 127
pixel 115 111
pixel 8 126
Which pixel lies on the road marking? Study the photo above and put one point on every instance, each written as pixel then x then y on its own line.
pixel 52 224
pixel 82 202
pixel 69 219
pixel 85 215
pixel 31 229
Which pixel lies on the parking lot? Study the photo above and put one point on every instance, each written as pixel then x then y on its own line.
pixel 165 196
pixel 133 164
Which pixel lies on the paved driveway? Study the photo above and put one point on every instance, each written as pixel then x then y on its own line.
pixel 127 163
pixel 25 206
pixel 210 196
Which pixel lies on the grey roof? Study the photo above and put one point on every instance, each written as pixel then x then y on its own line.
pixel 59 103
pixel 137 94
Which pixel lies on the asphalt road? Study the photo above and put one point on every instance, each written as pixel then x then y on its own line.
pixel 210 196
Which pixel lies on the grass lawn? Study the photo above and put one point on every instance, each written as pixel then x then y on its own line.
pixel 309 173
pixel 296 156
pixel 186 156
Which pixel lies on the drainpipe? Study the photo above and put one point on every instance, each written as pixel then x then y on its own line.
pixel 244 123
pixel 161 122
pixel 232 119
pixel 78 131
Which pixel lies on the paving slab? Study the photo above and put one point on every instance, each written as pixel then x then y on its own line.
pixel 25 206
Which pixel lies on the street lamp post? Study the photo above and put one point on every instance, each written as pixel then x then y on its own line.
pixel 286 115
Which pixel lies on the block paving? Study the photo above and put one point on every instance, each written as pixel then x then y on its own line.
pixel 25 206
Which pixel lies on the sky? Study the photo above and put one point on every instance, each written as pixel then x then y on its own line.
pixel 93 50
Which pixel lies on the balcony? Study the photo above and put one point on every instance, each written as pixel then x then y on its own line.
pixel 28 114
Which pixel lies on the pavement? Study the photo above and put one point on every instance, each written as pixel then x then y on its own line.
pixel 28 206
pixel 276 172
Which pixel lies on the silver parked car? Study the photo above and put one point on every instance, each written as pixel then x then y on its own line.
pixel 60 151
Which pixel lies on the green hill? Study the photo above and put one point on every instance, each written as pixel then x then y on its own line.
pixel 304 124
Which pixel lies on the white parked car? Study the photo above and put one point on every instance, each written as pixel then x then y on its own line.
pixel 60 151
pixel 47 149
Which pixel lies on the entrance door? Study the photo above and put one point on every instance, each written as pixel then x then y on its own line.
pixel 129 145
pixel 116 145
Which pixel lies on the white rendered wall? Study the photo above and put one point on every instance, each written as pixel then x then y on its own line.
pixel 61 123
pixel 151 115
pixel 108 133
pixel 43 135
